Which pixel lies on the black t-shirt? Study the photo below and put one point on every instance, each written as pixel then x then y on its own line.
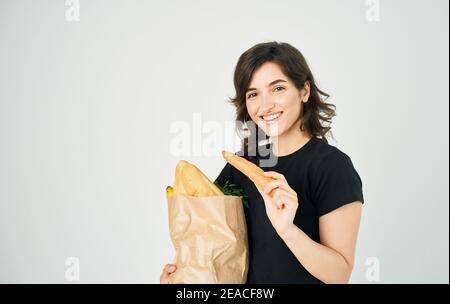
pixel 323 178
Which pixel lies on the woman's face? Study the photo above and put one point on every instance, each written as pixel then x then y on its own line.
pixel 273 102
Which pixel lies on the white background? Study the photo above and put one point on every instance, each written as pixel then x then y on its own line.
pixel 86 109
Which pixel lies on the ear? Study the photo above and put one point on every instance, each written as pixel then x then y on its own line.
pixel 305 92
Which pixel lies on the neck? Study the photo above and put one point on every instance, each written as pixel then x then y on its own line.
pixel 290 141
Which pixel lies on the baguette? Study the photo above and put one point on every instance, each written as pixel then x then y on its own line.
pixel 249 169
pixel 189 180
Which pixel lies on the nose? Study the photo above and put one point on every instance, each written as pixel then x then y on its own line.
pixel 266 104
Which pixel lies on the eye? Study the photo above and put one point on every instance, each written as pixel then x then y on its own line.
pixel 281 88
pixel 251 95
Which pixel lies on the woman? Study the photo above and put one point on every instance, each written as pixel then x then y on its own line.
pixel 306 232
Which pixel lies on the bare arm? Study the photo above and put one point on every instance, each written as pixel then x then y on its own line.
pixel 331 260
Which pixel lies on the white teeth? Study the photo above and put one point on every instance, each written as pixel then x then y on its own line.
pixel 271 117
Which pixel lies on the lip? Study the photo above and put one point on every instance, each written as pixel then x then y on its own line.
pixel 271 121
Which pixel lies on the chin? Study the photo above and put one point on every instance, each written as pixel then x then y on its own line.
pixel 272 131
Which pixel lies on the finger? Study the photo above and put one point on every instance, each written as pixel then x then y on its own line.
pixel 275 175
pixel 172 269
pixel 278 199
pixel 283 201
pixel 163 278
pixel 261 191
pixel 169 269
pixel 277 193
pixel 276 184
pixel 267 199
pixel 289 194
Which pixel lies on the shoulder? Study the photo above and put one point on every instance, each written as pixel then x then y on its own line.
pixel 325 157
pixel 322 150
pixel 331 166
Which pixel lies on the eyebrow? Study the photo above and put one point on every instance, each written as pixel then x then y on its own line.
pixel 270 84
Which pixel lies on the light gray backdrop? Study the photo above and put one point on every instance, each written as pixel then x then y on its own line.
pixel 87 107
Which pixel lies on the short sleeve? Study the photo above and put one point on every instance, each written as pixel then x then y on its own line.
pixel 336 183
pixel 224 175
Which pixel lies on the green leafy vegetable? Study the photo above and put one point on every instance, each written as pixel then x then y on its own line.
pixel 232 189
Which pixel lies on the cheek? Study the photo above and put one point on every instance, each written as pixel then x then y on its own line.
pixel 289 100
pixel 252 109
pixel 291 104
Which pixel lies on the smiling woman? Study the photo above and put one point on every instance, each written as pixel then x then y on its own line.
pixel 302 227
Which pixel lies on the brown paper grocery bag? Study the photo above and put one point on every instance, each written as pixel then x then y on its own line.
pixel 210 239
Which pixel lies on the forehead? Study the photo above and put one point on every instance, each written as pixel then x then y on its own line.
pixel 266 73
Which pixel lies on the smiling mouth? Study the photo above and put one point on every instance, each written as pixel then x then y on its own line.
pixel 271 117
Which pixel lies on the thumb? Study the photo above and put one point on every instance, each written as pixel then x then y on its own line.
pixel 171 268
